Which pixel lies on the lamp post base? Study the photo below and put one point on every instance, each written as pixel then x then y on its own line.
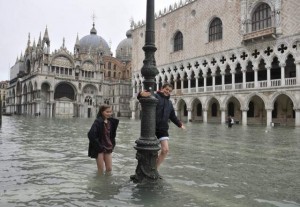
pixel 146 170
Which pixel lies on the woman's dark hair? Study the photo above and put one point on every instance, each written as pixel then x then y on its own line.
pixel 101 109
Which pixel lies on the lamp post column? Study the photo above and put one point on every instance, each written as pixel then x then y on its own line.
pixel 147 145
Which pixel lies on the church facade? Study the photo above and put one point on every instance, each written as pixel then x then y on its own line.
pixel 66 84
pixel 238 58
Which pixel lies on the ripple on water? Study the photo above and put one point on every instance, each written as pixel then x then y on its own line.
pixel 279 204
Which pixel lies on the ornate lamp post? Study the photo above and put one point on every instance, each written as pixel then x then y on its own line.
pixel 147 145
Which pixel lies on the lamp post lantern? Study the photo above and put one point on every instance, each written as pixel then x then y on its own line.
pixel 147 145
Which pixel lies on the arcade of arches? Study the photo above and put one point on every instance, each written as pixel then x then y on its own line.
pixel 63 101
pixel 256 108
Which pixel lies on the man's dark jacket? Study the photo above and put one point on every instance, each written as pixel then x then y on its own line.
pixel 164 112
pixel 96 134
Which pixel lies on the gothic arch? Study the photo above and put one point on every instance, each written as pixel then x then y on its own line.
pixel 258 3
pixel 178 102
pixel 275 95
pixel 209 21
pixel 193 100
pixel 207 101
pixel 196 107
pixel 181 108
pixel 224 103
pixel 250 96
pixel 175 39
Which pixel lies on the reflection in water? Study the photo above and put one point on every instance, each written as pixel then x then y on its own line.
pixel 44 162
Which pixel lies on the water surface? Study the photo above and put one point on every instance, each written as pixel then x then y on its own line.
pixel 43 162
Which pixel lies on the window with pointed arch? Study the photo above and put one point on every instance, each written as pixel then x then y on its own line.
pixel 261 17
pixel 215 30
pixel 178 41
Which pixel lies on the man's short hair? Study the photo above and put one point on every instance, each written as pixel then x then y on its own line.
pixel 167 85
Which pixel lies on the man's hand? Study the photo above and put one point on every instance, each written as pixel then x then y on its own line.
pixel 182 127
pixel 145 94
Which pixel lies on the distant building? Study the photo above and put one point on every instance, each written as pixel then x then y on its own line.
pixel 65 84
pixel 3 91
pixel 239 58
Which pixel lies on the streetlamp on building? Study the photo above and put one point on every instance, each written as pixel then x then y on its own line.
pixel 147 145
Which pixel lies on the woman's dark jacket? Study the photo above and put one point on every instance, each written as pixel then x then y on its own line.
pixel 96 134
pixel 164 112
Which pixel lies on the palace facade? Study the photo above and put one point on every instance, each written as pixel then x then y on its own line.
pixel 238 58
pixel 3 88
pixel 65 84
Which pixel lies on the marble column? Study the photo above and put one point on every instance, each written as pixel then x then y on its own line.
pixel 213 81
pixel 244 79
pixel 255 78
pixel 269 76
pixel 269 117
pixel 244 117
pixel 233 79
pixel 51 110
pixel 204 83
pixel 282 65
pixel 189 114
pixel 223 80
pixel 223 116
pixel 204 116
pixel 197 83
pixel 297 72
pixel 297 117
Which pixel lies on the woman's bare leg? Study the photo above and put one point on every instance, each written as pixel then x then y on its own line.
pixel 100 163
pixel 108 161
pixel 163 152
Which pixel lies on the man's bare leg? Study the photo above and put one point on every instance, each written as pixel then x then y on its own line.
pixel 163 152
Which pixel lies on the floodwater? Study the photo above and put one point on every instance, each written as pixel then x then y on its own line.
pixel 44 162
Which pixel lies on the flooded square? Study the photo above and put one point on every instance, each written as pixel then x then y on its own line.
pixel 44 162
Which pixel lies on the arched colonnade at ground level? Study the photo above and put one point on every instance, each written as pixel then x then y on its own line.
pixel 54 99
pixel 263 108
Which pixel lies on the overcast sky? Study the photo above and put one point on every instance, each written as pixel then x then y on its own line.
pixel 64 19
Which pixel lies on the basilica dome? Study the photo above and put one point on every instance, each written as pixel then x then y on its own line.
pixel 124 49
pixel 93 43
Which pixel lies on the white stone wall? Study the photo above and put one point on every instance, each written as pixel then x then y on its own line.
pixel 194 29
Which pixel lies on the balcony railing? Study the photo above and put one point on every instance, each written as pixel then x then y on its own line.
pixel 260 34
pixel 239 86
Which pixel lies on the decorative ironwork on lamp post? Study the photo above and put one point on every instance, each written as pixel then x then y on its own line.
pixel 147 145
